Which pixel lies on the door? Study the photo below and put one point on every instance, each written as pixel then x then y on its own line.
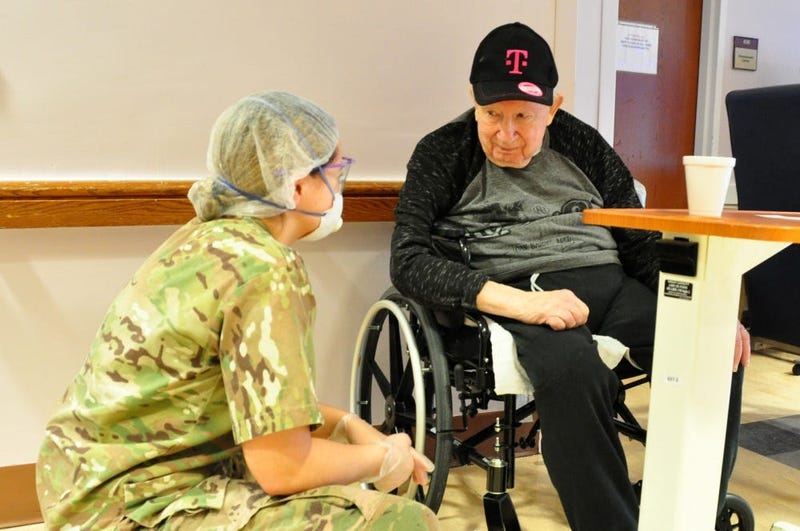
pixel 655 114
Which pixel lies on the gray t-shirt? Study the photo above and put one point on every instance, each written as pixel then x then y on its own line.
pixel 529 220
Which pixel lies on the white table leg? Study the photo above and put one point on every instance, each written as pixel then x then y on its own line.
pixel 694 343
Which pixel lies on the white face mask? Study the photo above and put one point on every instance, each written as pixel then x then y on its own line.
pixel 330 222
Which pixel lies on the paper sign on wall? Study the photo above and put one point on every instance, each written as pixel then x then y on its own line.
pixel 637 47
pixel 745 53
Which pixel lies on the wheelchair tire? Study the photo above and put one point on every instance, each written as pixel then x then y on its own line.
pixel 736 515
pixel 400 383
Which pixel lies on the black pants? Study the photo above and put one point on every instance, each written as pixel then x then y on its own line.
pixel 575 393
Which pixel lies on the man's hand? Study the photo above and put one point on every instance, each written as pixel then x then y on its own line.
pixel 741 351
pixel 559 309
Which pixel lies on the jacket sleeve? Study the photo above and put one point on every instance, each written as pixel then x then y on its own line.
pixel 436 176
pixel 587 148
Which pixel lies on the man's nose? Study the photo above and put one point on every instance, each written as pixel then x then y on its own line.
pixel 506 130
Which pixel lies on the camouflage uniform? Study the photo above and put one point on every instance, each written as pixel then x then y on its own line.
pixel 208 346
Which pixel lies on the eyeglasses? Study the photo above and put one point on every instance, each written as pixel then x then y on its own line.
pixel 343 166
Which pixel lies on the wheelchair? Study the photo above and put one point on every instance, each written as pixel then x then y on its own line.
pixel 411 363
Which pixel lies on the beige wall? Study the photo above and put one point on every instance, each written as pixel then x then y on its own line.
pixel 56 285
pixel 778 52
pixel 778 60
pixel 129 89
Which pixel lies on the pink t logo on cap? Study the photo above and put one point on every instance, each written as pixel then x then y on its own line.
pixel 517 58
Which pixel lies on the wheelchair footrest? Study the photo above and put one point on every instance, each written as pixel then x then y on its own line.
pixel 497 505
pixel 500 513
pixel 496 473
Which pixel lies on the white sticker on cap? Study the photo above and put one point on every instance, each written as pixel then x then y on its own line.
pixel 529 88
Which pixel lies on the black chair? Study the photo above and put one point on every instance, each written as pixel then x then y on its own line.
pixel 764 128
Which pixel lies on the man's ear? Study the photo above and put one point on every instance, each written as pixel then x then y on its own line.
pixel 558 99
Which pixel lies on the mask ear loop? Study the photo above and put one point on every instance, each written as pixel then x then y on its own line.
pixel 254 197
pixel 326 181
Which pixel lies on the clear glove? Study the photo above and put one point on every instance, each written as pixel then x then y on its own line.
pixel 398 463
pixel 339 433
pixel 391 474
pixel 422 467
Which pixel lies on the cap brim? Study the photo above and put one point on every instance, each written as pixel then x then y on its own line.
pixel 487 92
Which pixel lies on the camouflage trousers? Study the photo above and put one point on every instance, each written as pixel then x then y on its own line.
pixel 334 508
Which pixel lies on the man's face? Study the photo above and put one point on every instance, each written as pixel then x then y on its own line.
pixel 511 131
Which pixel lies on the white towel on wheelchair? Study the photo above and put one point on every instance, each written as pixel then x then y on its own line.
pixel 509 376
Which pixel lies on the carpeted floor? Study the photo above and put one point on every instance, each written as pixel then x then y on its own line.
pixel 778 439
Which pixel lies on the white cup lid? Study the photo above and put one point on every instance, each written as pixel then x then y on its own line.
pixel 703 160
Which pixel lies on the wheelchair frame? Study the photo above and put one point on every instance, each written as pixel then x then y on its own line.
pixel 426 360
pixel 411 392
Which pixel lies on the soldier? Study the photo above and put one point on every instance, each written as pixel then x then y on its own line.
pixel 196 407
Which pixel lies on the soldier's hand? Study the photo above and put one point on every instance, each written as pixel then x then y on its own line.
pixel 422 466
pixel 397 463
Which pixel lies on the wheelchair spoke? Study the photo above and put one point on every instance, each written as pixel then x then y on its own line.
pixel 405 420
pixel 396 351
pixel 402 382
pixel 405 378
pixel 419 494
pixel 405 385
pixel 380 378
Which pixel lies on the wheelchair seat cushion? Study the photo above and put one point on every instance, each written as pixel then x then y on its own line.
pixel 510 377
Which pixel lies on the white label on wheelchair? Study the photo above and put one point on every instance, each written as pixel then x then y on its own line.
pixel 678 289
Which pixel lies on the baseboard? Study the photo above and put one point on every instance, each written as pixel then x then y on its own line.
pixel 21 507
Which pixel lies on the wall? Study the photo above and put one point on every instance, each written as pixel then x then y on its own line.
pixel 131 87
pixel 774 25
pixel 91 89
pixel 57 284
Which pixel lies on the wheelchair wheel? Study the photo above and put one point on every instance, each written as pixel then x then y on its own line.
pixel 400 383
pixel 736 515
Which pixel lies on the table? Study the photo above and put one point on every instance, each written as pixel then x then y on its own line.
pixel 693 352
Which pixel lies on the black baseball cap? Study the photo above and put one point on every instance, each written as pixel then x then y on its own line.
pixel 513 62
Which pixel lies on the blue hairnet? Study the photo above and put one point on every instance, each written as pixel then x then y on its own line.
pixel 259 148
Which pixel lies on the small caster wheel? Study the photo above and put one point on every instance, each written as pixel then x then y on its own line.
pixel 736 515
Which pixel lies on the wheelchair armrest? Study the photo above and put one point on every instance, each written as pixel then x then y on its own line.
pixel 449 318
pixel 448 229
pixel 459 318
pixel 449 240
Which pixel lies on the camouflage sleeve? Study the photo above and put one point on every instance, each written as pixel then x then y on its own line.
pixel 266 354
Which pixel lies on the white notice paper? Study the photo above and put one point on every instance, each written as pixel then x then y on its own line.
pixel 637 47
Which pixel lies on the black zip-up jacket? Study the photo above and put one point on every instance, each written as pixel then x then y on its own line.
pixel 441 167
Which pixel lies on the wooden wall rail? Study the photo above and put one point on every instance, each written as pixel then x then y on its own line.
pixel 35 204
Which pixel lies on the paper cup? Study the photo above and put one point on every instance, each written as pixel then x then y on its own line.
pixel 707 180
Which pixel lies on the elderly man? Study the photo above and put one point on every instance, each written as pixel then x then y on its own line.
pixel 514 173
